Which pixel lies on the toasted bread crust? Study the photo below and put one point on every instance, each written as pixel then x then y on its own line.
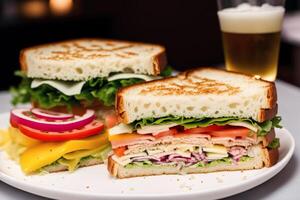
pixel 263 115
pixel 159 60
pixel 22 61
pixel 266 140
pixel 119 102
pixel 271 157
pixel 267 114
pixel 112 166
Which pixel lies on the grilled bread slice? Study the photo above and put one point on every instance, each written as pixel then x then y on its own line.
pixel 82 59
pixel 265 157
pixel 203 92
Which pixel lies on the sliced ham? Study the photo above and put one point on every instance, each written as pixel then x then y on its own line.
pixel 237 152
pixel 147 140
pixel 131 140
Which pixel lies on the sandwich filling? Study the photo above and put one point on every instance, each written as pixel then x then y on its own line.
pixel 46 141
pixel 183 142
pixel 35 156
pixel 53 93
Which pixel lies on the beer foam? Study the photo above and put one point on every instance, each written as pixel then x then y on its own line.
pixel 251 19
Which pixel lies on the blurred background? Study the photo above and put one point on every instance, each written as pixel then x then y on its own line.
pixel 189 29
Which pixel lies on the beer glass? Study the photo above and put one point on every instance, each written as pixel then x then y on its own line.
pixel 251 35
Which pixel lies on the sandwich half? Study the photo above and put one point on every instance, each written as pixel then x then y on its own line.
pixel 72 87
pixel 84 73
pixel 203 120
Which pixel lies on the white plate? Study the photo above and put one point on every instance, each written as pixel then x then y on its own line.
pixel 94 182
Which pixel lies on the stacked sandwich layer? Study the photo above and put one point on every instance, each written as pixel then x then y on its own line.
pixel 72 87
pixel 201 121
pixel 85 72
pixel 44 141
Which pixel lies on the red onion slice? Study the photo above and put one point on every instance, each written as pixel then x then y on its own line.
pixel 50 115
pixel 22 116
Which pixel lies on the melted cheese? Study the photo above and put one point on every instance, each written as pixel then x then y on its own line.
pixel 246 125
pixel 46 153
pixel 34 154
pixel 69 88
pixel 154 129
pixel 124 160
pixel 219 149
pixel 17 137
pixel 15 143
pixel 71 164
pixel 215 156
pixel 4 137
pixel 82 153
pixel 120 129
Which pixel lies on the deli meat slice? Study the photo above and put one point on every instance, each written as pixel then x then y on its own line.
pixel 132 139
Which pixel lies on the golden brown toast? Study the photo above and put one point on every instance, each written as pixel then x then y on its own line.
pixel 85 58
pixel 202 92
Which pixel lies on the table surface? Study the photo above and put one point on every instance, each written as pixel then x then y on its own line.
pixel 285 185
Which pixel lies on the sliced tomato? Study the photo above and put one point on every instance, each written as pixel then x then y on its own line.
pixel 13 123
pixel 111 120
pixel 204 129
pixel 231 132
pixel 93 128
pixel 170 132
pixel 120 151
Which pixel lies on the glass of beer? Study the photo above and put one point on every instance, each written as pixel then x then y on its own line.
pixel 251 35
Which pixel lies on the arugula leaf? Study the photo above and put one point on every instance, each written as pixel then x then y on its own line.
pixel 274 144
pixel 263 128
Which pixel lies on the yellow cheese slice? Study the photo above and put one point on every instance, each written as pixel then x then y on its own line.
pixel 46 153
pixel 4 137
pixel 71 164
pixel 19 138
pixel 69 88
pixel 215 156
pixel 83 153
pixel 220 149
pixel 14 143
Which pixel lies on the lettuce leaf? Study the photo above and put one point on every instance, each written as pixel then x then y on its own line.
pixel 21 93
pixel 48 97
pixel 274 144
pixel 94 89
pixel 263 128
pixel 167 71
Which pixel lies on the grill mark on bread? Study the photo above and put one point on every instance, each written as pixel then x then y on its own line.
pixel 192 87
pixel 88 52
pixel 265 112
pixel 122 56
pixel 131 53
pixel 93 52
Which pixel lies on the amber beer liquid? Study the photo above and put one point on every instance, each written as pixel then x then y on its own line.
pixel 251 39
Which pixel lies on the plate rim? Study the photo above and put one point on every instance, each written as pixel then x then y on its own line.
pixel 248 184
